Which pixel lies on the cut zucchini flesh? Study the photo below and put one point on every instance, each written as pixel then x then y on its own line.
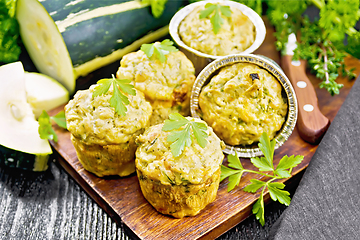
pixel 44 43
pixel 44 93
pixel 18 127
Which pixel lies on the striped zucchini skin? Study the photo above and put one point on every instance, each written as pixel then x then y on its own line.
pixel 67 39
pixel 60 9
pixel 22 160
pixel 102 35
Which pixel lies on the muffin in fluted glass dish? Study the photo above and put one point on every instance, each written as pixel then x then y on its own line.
pixel 104 140
pixel 183 185
pixel 241 102
pixel 241 96
pixel 165 84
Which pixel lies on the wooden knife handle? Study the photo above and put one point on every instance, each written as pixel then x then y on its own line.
pixel 311 123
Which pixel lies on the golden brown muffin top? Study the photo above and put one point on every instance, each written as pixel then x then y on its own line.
pixel 241 102
pixel 158 80
pixel 94 121
pixel 236 34
pixel 195 165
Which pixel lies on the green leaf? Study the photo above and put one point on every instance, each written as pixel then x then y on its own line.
pixel 225 10
pixel 45 129
pixel 282 173
pixel 60 119
pixel 234 161
pixel 125 86
pixel 287 163
pixel 9 32
pixel 118 100
pixel 209 8
pixel 181 138
pixel 175 121
pixel 216 21
pixel 234 180
pixel 261 163
pixel 234 175
pixel 159 50
pixel 254 186
pixel 258 210
pixel 214 12
pixel 157 6
pixel 226 172
pixel 199 130
pixel 102 87
pixel 267 147
pixel 277 194
pixel 264 164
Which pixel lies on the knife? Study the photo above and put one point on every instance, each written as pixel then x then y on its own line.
pixel 311 124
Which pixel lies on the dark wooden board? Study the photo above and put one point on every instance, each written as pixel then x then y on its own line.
pixel 123 200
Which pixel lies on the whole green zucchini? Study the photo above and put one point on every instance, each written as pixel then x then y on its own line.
pixel 87 34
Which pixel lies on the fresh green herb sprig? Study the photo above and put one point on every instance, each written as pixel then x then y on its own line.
pixel 214 12
pixel 323 57
pixel 159 50
pixel 265 165
pixel 183 138
pixel 157 6
pixel 321 41
pixel 45 128
pixel 9 32
pixel 118 100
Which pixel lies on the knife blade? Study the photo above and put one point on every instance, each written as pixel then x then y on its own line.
pixel 311 124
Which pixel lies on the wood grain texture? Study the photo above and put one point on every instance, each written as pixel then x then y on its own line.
pixel 50 205
pixel 122 198
pixel 312 125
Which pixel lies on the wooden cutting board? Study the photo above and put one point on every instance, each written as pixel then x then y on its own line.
pixel 123 200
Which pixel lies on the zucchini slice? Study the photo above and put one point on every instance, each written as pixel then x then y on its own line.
pixel 18 127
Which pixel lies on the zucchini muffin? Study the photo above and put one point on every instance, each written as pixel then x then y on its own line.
pixel 105 141
pixel 178 186
pixel 167 86
pixel 236 34
pixel 241 102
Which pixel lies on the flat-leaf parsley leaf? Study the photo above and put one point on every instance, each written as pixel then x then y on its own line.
pixel 159 50
pixel 118 100
pixel 215 10
pixel 181 138
pixel 45 128
pixel 265 165
pixel 157 6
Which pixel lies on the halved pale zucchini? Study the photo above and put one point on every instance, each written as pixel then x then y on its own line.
pixel 44 42
pixel 18 127
pixel 44 92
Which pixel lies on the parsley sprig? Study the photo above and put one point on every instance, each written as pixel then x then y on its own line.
pixel 265 165
pixel 215 10
pixel 159 50
pixel 9 32
pixel 118 100
pixel 45 128
pixel 322 39
pixel 157 6
pixel 181 138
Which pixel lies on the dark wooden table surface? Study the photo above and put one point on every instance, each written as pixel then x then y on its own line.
pixel 51 205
